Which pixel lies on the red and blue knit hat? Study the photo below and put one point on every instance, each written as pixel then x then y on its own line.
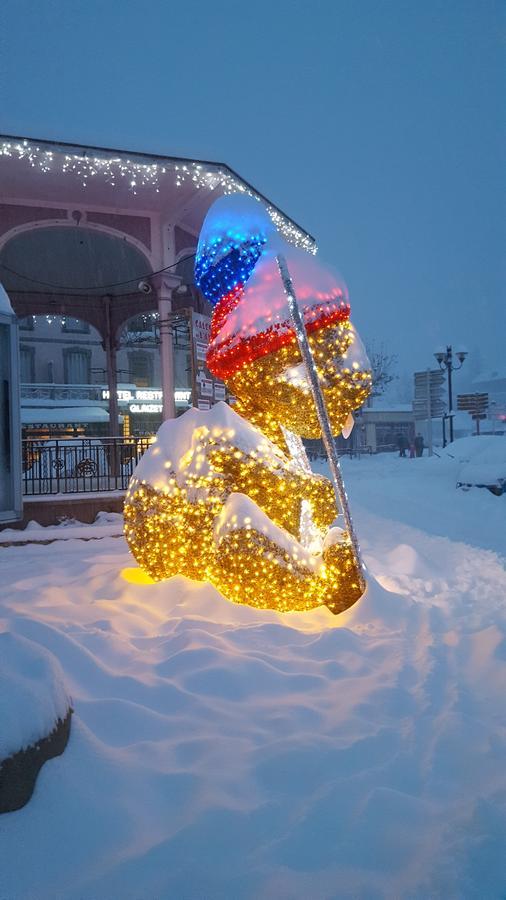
pixel 237 271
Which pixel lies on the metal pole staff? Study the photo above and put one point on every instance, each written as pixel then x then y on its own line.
pixel 449 366
pixel 321 409
pixel 429 413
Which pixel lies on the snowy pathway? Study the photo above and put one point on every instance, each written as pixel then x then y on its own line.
pixel 219 752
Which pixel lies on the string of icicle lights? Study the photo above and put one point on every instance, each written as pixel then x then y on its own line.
pixel 115 170
pixel 49 318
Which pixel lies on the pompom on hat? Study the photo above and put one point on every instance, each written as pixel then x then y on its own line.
pixel 237 271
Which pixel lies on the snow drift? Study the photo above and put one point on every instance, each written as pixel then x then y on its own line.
pixel 220 752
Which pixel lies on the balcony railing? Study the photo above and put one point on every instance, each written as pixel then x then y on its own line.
pixel 80 465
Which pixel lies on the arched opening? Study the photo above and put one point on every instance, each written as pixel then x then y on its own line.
pixel 139 369
pixel 71 259
pixel 73 289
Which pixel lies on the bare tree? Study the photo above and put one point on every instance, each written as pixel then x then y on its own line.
pixel 405 388
pixel 382 365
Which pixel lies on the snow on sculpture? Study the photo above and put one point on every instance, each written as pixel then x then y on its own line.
pixel 227 495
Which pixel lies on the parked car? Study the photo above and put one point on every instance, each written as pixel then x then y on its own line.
pixel 482 462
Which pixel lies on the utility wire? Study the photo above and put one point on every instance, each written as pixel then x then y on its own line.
pixel 99 287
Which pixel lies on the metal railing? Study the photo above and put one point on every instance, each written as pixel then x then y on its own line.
pixel 79 465
pixel 94 464
pixel 318 453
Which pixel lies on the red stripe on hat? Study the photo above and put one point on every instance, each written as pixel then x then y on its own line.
pixel 226 358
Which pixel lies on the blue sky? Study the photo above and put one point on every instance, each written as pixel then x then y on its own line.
pixel 377 124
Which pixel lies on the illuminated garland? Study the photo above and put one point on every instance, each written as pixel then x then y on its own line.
pixel 173 530
pixel 223 309
pixel 61 320
pixel 234 232
pixel 226 263
pixel 114 170
pixel 279 377
pixel 227 357
pixel 237 509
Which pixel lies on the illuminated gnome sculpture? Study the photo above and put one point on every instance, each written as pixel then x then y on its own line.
pixel 227 495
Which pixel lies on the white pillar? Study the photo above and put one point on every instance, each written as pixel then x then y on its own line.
pixel 166 358
pixel 165 287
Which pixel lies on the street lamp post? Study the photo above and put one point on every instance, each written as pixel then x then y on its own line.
pixel 445 361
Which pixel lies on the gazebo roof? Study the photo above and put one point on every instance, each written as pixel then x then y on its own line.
pixel 180 189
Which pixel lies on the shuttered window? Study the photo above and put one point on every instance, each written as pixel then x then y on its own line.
pixel 76 366
pixel 27 365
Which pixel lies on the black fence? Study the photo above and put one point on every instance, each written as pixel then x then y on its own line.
pixel 80 465
pixel 316 451
pixel 93 464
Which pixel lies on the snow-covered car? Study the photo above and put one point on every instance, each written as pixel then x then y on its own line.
pixel 482 462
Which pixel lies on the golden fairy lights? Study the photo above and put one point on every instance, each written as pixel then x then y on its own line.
pixel 280 378
pixel 232 504
pixel 254 569
pixel 227 495
pixel 115 170
pixel 186 524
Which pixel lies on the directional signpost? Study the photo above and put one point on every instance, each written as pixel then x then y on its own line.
pixel 476 405
pixel 428 403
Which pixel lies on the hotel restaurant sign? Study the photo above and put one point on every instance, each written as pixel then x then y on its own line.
pixel 205 390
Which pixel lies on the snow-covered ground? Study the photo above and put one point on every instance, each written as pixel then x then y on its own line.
pixel 106 524
pixel 222 752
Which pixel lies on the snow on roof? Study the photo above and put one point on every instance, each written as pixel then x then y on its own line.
pixel 380 405
pixel 29 402
pixel 63 414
